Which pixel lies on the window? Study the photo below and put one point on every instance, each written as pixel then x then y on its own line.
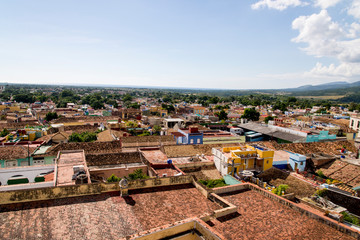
pixel 352 122
pixel 267 161
pixel 358 125
pixel 191 141
pixel 198 141
pixel 301 163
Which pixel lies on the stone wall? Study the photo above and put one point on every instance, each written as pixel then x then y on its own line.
pixel 120 172
pixel 228 208
pixel 232 188
pixel 350 202
pixel 171 230
pixel 143 139
pixel 28 195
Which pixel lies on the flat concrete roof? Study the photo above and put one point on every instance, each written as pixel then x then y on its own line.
pixel 65 166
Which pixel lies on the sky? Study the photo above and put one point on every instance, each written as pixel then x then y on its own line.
pixel 227 44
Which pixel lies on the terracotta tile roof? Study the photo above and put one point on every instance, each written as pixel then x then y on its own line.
pixel 15 152
pixel 177 134
pixel 342 171
pixel 45 138
pixel 89 147
pixel 316 147
pixel 104 216
pixel 18 125
pixel 101 159
pixel 190 150
pixel 134 139
pixel 85 119
pixel 81 128
pixel 107 135
pixel 259 217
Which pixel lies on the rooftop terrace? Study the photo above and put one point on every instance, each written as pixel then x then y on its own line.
pixel 105 216
pixel 259 217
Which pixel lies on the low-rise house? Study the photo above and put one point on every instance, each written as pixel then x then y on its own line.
pixel 189 136
pixel 16 156
pixel 103 165
pixel 233 160
pixel 297 162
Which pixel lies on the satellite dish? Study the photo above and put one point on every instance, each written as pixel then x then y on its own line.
pixel 123 183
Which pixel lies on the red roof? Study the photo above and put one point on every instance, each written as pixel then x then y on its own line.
pixel 178 134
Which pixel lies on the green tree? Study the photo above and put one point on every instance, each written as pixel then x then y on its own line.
pixel 127 97
pixel 133 105
pixel 145 133
pixel 4 132
pixel 280 106
pixel 75 137
pixel 50 116
pixel 83 137
pixel 113 178
pixel 131 124
pixel 156 129
pixel 251 114
pixel 269 118
pixel 137 174
pixel 25 98
pixel 97 104
pixel 222 115
pixel 89 137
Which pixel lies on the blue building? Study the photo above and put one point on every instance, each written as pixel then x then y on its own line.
pixel 297 162
pixel 189 136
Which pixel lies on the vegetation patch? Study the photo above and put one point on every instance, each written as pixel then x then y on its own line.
pixel 214 183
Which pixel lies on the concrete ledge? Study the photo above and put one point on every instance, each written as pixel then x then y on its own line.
pixel 231 188
pixel 38 194
pixel 169 230
pixel 228 208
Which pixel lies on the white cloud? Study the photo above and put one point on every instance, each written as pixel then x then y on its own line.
pixel 354 30
pixel 326 38
pixel 278 4
pixel 326 3
pixel 320 33
pixel 354 9
pixel 347 70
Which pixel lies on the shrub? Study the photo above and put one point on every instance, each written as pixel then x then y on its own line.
pixel 320 174
pixel 137 174
pixel 113 178
pixel 351 219
pixel 83 137
pixel 321 192
pixel 50 116
pixel 4 132
pixel 280 189
pixel 214 183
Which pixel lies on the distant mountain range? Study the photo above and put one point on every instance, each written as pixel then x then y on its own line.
pixel 325 86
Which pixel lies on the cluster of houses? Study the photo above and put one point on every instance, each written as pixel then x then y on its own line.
pixel 152 143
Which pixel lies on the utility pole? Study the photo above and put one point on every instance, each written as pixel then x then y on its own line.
pixel 28 153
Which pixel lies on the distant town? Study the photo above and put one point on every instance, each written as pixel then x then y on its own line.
pixel 148 163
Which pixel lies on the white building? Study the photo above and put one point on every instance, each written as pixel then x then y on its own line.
pixel 354 123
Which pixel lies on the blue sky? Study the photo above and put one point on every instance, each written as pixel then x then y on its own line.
pixel 236 44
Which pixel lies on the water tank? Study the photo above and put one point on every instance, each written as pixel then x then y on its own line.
pixel 81 178
pixel 169 161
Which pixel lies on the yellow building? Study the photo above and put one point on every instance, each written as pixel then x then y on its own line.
pixel 233 160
